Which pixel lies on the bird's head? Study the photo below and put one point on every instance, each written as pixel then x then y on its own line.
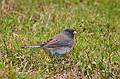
pixel 70 32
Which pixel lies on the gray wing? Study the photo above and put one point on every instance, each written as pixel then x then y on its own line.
pixel 59 43
pixel 61 40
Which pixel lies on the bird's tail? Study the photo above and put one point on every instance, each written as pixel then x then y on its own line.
pixel 30 46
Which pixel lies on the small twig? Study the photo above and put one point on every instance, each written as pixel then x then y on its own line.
pixel 5 45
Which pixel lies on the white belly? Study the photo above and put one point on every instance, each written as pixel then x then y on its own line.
pixel 59 50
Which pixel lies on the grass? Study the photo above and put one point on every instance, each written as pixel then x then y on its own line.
pixel 96 54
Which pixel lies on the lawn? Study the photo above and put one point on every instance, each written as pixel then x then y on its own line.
pixel 96 54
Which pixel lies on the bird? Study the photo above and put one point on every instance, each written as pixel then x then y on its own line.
pixel 60 44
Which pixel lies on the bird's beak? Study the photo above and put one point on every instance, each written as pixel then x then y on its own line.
pixel 74 32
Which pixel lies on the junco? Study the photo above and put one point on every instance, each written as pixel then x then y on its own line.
pixel 60 44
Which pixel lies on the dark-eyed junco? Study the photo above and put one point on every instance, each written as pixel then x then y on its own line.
pixel 60 44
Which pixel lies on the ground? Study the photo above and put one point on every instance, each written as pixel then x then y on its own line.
pixel 96 54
